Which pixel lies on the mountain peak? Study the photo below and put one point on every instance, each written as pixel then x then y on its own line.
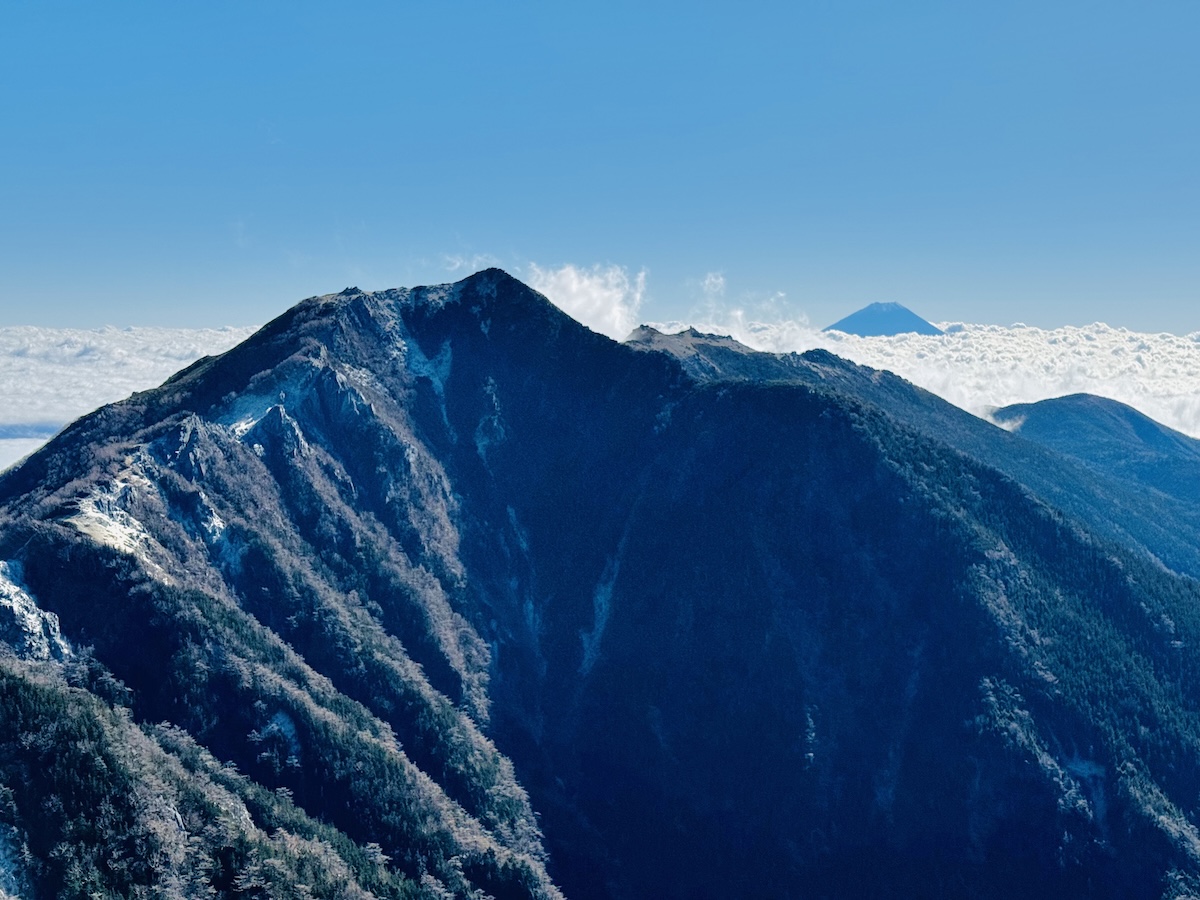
pixel 882 320
pixel 470 594
pixel 1112 437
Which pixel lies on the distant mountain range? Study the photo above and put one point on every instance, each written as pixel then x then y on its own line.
pixel 1114 439
pixel 883 319
pixel 435 592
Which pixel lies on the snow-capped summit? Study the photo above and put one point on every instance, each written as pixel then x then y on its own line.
pixel 883 320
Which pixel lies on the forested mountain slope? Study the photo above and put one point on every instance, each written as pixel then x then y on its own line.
pixel 1112 438
pixel 1077 466
pixel 434 591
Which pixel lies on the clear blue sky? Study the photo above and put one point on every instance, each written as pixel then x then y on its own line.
pixel 212 163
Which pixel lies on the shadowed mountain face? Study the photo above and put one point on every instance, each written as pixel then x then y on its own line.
pixel 883 319
pixel 1114 439
pixel 476 600
pixel 1079 472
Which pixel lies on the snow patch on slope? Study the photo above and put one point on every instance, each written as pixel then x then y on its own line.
pixel 32 632
pixel 214 526
pixel 13 885
pixel 601 608
pixel 437 370
pixel 102 516
pixel 490 429
pixel 434 296
pixel 249 408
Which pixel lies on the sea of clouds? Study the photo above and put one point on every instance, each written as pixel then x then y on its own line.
pixel 976 367
pixel 51 376
pixel 48 377
pixel 983 367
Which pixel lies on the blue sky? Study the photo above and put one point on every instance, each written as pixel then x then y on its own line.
pixel 209 164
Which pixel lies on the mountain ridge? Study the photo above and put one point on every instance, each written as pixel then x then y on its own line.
pixel 1166 526
pixel 481 601
pixel 1113 438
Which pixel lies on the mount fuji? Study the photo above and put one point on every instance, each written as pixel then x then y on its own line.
pixel 882 320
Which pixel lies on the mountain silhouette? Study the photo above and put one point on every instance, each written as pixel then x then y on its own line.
pixel 883 319
pixel 434 592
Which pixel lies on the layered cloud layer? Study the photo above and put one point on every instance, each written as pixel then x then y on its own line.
pixel 50 376
pixel 982 367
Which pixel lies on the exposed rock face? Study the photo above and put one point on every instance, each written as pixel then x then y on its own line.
pixel 420 563
pixel 25 628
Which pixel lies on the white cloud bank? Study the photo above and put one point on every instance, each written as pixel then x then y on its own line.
pixel 51 376
pixel 976 367
pixel 981 367
pixel 604 298
pixel 14 449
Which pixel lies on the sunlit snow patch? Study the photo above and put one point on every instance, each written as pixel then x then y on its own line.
pixel 101 515
pixel 102 518
pixel 12 878
pixel 32 632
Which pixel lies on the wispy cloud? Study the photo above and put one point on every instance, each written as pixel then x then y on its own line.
pixel 457 263
pixel 604 298
pixel 713 287
pixel 715 303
